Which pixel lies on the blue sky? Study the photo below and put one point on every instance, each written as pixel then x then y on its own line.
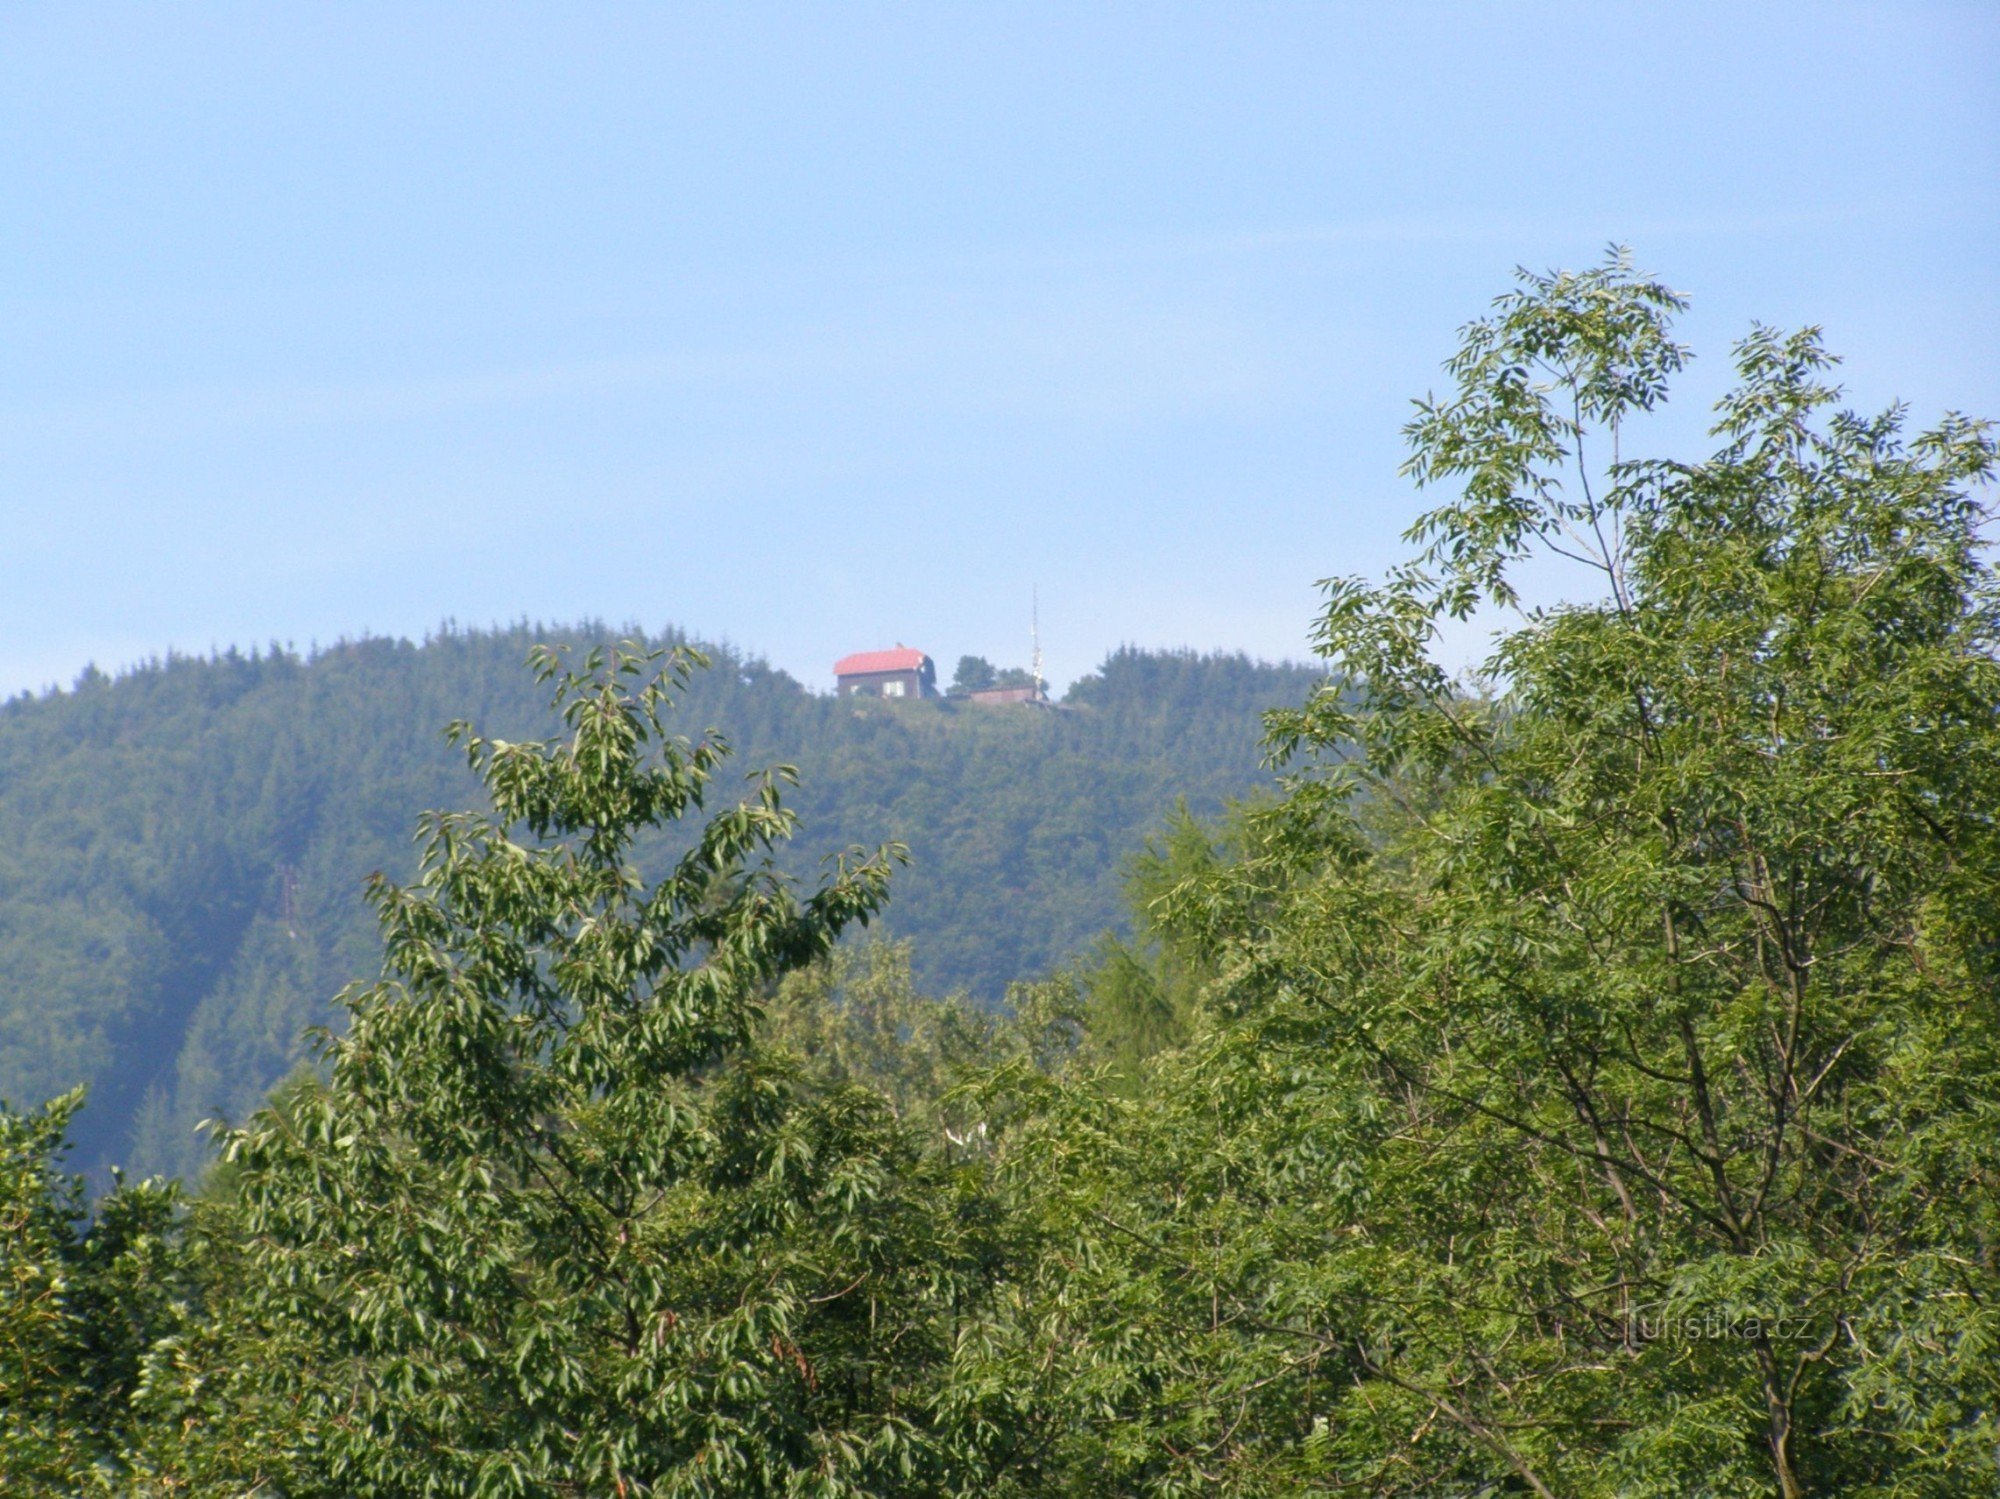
pixel 819 328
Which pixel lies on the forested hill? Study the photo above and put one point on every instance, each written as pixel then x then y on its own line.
pixel 182 847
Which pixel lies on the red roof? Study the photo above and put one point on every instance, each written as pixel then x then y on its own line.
pixel 867 662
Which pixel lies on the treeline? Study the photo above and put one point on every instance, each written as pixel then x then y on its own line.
pixel 182 848
pixel 1580 1081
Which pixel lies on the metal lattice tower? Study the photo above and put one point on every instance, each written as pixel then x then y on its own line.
pixel 1035 639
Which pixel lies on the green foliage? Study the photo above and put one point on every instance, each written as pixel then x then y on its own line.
pixel 557 1222
pixel 857 1019
pixel 1144 994
pixel 1580 1080
pixel 974 674
pixel 182 849
pixel 1597 1090
pixel 81 1303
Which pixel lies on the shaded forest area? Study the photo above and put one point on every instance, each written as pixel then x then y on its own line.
pixel 182 848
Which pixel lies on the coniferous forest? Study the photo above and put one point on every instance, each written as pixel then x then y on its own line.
pixel 184 847
pixel 1577 1078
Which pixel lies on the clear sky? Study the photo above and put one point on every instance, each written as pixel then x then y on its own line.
pixel 823 327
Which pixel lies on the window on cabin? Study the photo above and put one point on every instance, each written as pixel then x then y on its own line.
pixel 893 689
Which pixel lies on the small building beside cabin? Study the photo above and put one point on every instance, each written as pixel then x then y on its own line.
pixel 1032 693
pixel 899 673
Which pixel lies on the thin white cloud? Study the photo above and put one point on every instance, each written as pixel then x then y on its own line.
pixel 1063 357
pixel 198 409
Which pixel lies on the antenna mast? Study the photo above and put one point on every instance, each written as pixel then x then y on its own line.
pixel 1035 637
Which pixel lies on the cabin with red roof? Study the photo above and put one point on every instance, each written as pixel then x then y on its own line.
pixel 898 673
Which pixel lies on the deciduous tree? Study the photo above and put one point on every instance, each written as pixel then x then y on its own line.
pixel 1597 1088
pixel 556 1222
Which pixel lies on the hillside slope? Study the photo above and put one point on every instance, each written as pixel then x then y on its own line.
pixel 182 847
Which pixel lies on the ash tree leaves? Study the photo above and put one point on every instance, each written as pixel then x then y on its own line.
pixel 1544 386
pixel 1598 1068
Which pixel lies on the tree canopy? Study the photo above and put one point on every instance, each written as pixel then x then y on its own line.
pixel 183 847
pixel 1580 1077
pixel 555 1222
pixel 1596 1090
